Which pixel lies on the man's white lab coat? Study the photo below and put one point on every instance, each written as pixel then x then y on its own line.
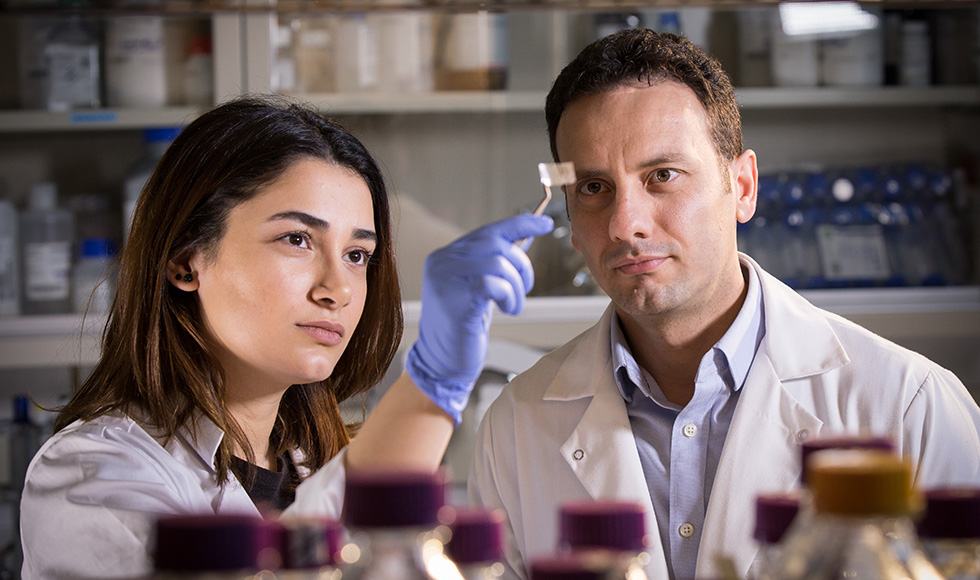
pixel 94 489
pixel 560 430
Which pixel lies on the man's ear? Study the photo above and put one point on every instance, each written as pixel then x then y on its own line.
pixel 745 177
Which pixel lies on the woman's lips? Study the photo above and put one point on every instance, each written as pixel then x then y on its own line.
pixel 325 332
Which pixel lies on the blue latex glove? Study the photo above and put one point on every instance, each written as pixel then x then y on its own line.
pixel 460 282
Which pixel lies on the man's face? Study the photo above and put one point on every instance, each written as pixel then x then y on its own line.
pixel 654 209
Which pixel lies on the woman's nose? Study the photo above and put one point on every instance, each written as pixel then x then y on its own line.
pixel 332 287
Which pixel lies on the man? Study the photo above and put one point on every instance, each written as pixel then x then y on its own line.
pixel 692 392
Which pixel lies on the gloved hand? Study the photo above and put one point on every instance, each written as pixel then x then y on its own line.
pixel 459 283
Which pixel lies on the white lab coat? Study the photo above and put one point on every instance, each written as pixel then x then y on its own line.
pixel 560 431
pixel 94 489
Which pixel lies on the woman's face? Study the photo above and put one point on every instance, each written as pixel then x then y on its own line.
pixel 285 290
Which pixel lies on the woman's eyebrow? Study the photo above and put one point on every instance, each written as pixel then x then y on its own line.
pixel 316 223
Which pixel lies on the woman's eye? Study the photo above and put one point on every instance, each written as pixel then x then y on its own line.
pixel 295 239
pixel 360 257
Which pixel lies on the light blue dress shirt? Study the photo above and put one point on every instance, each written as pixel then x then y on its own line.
pixel 679 446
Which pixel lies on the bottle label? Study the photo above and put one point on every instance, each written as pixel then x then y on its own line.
pixel 853 252
pixel 47 268
pixel 74 76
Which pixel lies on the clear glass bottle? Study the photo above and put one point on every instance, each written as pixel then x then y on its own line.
pixel 392 518
pixel 94 276
pixel 309 548
pixel 774 513
pixel 615 530
pixel 950 531
pixel 47 233
pixel 476 541
pixel 860 528
pixel 217 547
pixel 155 143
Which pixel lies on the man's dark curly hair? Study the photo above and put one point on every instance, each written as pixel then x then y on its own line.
pixel 643 56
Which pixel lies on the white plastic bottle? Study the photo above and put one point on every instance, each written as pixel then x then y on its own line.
pixel 74 74
pixel 93 277
pixel 916 65
pixel 9 260
pixel 199 71
pixel 405 50
pixel 155 143
pixel 47 232
pixel 135 68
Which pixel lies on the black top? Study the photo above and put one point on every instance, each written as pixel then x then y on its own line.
pixel 269 489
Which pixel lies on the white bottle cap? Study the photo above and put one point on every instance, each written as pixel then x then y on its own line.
pixel 43 196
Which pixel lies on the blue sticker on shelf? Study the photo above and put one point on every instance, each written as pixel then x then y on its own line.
pixel 89 117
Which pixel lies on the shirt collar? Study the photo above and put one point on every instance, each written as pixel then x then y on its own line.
pixel 738 345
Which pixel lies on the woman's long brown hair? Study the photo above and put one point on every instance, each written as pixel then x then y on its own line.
pixel 156 360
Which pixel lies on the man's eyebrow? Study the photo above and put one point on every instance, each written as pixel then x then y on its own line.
pixel 320 224
pixel 665 159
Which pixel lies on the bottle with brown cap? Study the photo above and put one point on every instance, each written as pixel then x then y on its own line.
pixel 861 527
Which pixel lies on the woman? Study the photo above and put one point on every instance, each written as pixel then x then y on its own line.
pixel 257 290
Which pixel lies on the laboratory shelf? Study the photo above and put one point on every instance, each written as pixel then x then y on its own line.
pixel 481 102
pixel 547 322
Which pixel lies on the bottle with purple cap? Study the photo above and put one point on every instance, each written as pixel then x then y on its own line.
pixel 574 566
pixel 216 546
pixel 612 529
pixel 950 531
pixel 393 520
pixel 476 541
pixel 309 547
pixel 774 514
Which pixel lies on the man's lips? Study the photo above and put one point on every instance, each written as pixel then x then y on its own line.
pixel 638 265
pixel 329 333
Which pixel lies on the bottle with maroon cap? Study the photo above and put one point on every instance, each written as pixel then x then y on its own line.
pixel 575 566
pixel 774 514
pixel 309 548
pixel 950 531
pixel 476 541
pixel 217 547
pixel 616 529
pixel 392 518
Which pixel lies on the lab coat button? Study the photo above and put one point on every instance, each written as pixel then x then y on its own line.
pixel 578 455
pixel 690 430
pixel 686 530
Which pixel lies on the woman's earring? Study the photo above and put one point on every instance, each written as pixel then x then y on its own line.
pixel 178 277
pixel 188 277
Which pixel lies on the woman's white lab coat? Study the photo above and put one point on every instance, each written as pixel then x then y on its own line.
pixel 560 430
pixel 93 490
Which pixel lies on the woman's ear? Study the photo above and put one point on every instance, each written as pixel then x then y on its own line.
pixel 181 274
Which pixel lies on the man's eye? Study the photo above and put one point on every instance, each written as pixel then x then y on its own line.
pixel 663 175
pixel 591 188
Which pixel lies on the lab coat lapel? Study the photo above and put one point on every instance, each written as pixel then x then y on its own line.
pixel 601 450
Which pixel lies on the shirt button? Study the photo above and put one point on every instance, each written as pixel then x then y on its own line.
pixel 690 430
pixel 686 530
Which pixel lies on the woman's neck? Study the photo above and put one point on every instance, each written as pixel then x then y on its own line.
pixel 256 416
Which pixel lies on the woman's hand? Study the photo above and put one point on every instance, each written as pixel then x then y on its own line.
pixel 460 282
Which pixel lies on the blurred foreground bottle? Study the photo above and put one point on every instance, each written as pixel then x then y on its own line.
pixel 217 547
pixel 614 530
pixel 774 514
pixel 861 527
pixel 392 519
pixel 309 548
pixel 476 541
pixel 950 531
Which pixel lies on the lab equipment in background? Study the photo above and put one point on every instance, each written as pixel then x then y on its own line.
pixel 755 30
pixel 476 541
pixel 950 531
pixel 392 519
pixel 155 143
pixel 612 530
pixel 199 71
pixel 795 58
pixel 215 546
pixel 357 56
pixel 9 260
pixel 774 514
pixel 471 51
pixel 916 64
pixel 32 65
pixel 47 233
pixel 135 61
pixel 283 60
pixel 606 23
pixel 314 43
pixel 861 526
pixel 405 58
pixel 94 276
pixel 855 58
pixel 74 73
